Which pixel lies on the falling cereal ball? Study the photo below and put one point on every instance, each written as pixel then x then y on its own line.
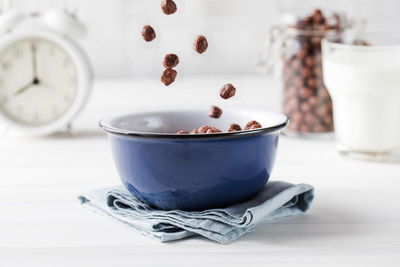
pixel 168 76
pixel 227 91
pixel 170 61
pixel 215 112
pixel 200 44
pixel 168 7
pixel 148 33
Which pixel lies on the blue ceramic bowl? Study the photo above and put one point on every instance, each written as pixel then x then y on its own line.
pixel 193 172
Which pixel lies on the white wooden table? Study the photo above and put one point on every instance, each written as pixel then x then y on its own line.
pixel 354 220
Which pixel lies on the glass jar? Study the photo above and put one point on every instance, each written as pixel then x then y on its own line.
pixel 306 100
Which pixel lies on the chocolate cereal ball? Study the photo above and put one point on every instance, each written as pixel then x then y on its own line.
pixel 200 44
pixel 168 76
pixel 148 33
pixel 170 61
pixel 168 7
pixel 227 91
pixel 234 127
pixel 215 112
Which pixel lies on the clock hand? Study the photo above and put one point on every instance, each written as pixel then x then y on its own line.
pixel 23 89
pixel 34 62
pixel 26 87
pixel 35 80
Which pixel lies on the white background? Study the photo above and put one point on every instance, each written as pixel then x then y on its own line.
pixel 235 28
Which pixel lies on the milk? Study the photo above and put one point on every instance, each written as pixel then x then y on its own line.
pixel 364 84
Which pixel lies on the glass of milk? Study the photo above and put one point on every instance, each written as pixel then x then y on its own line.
pixel 364 83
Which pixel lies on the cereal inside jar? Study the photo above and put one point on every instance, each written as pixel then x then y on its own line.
pixel 306 100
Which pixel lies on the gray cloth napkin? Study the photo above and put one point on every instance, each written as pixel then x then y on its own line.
pixel 276 200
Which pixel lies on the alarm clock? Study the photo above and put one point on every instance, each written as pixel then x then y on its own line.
pixel 45 76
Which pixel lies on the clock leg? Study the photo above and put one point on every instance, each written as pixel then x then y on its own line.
pixel 69 129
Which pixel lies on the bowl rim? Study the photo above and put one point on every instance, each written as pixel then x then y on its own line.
pixel 243 133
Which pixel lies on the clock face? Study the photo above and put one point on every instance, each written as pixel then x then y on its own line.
pixel 38 81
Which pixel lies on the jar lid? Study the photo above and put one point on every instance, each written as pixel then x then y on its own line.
pixel 334 23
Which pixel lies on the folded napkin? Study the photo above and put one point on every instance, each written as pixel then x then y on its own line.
pixel 276 200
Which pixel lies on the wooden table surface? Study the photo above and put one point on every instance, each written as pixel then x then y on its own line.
pixel 354 220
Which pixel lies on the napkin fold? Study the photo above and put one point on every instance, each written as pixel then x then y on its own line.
pixel 276 200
